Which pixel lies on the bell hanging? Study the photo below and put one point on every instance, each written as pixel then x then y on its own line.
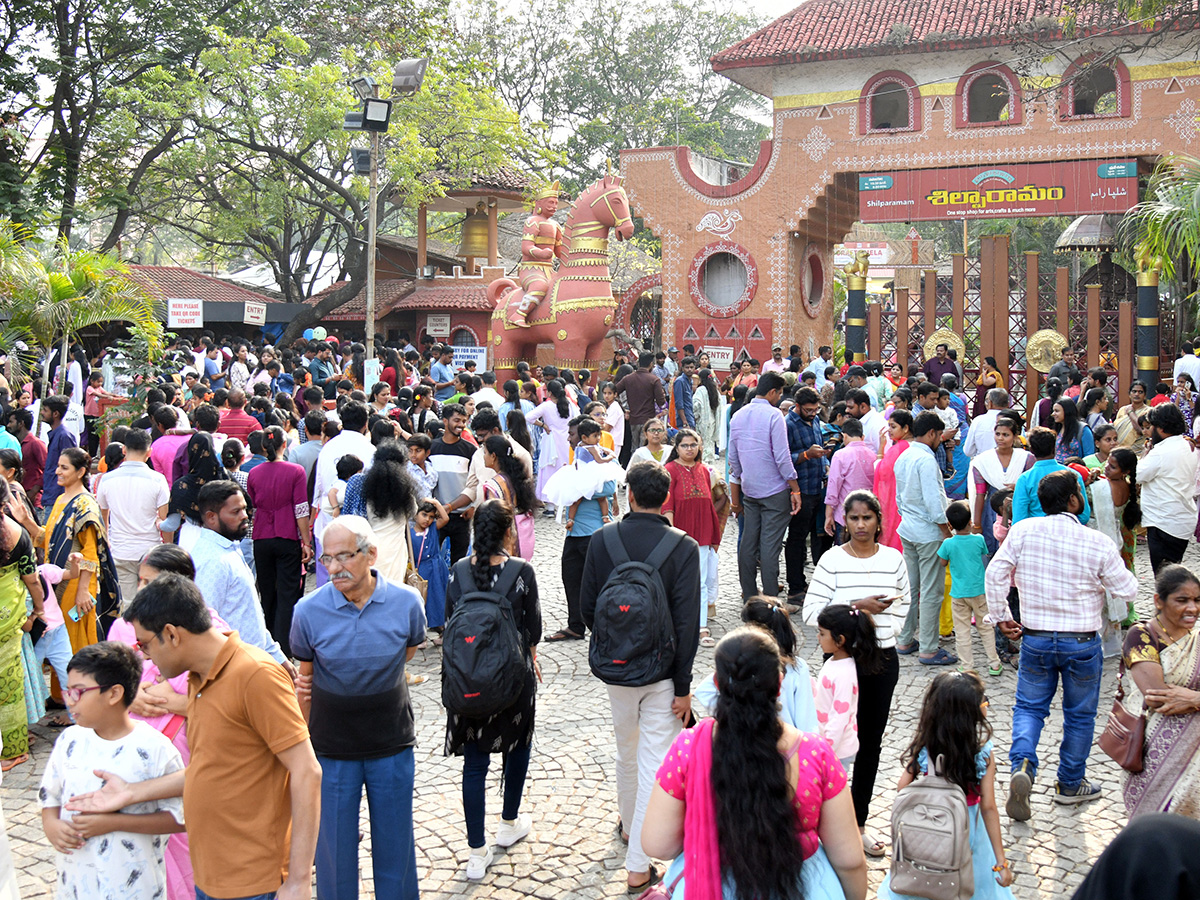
pixel 475 234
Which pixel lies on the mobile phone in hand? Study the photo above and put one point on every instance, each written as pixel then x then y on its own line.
pixel 73 613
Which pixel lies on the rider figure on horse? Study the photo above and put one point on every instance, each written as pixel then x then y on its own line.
pixel 541 241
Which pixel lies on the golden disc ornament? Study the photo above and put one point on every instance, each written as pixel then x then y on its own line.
pixel 950 339
pixel 1044 349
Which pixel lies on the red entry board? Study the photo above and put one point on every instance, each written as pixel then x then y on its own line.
pixel 1079 187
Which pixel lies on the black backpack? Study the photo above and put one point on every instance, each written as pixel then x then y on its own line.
pixel 483 659
pixel 633 636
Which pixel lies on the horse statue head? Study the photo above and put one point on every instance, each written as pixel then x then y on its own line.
pixel 601 205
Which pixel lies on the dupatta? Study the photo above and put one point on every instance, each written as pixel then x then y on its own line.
pixel 78 514
pixel 701 851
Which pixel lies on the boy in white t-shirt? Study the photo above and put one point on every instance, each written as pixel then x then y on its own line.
pixel 113 854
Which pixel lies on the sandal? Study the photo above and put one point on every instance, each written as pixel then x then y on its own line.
pixel 873 847
pixel 410 678
pixel 7 764
pixel 906 649
pixel 655 875
pixel 565 634
pixel 621 831
pixel 940 658
pixel 435 640
pixel 706 639
pixel 62 720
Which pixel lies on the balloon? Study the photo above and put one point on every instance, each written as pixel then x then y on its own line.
pixel 319 333
pixel 308 334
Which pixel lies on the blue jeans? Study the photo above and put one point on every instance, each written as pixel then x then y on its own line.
pixel 1043 661
pixel 389 783
pixel 200 895
pixel 474 789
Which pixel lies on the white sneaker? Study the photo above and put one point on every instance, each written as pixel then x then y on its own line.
pixel 477 864
pixel 510 832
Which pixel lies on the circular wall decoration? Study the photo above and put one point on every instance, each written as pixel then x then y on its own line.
pixel 812 280
pixel 723 279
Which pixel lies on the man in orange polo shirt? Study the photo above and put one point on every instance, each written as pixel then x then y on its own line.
pixel 253 784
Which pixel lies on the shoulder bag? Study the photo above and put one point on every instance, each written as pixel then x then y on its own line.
pixel 411 576
pixel 1124 737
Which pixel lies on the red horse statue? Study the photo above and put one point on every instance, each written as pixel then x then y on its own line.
pixel 577 310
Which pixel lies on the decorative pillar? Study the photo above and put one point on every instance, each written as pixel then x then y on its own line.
pixel 875 330
pixel 1147 329
pixel 493 232
pixel 1125 345
pixel 856 318
pixel 1092 354
pixel 1032 375
pixel 902 322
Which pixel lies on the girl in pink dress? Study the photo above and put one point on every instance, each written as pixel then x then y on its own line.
pixel 885 476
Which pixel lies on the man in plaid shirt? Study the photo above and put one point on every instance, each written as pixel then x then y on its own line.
pixel 1062 570
pixel 808 452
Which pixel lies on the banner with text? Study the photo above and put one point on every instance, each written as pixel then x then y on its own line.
pixel 477 355
pixel 185 312
pixel 1073 188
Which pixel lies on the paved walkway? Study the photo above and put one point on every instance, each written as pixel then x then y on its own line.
pixel 573 852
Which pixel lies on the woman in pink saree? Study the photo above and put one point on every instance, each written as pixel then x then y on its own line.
pixel 163 705
pixel 747 805
pixel 885 476
pixel 1163 657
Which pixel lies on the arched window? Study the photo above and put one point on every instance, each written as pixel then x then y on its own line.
pixel 462 337
pixel 889 102
pixel 988 94
pixel 1094 89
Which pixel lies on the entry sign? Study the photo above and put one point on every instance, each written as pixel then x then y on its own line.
pixel 477 354
pixel 1069 188
pixel 255 313
pixel 720 358
pixel 185 312
pixel 438 325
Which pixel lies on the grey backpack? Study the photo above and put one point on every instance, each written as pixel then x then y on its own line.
pixel 931 840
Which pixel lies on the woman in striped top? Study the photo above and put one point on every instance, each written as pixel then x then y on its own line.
pixel 873 578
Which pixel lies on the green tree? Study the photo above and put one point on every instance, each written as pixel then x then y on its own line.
pixel 597 78
pixel 54 292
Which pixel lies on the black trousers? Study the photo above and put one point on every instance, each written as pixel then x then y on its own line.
pixel 807 530
pixel 280 584
pixel 1164 548
pixel 574 555
pixel 874 701
pixel 458 533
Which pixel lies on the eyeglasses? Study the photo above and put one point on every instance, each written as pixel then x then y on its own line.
pixel 687 446
pixel 342 558
pixel 656 431
pixel 74 695
pixel 141 648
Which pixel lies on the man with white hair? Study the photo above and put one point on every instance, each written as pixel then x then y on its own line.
pixel 352 638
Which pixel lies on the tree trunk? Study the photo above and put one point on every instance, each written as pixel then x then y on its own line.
pixel 314 314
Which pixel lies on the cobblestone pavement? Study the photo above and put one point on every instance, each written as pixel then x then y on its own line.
pixel 573 853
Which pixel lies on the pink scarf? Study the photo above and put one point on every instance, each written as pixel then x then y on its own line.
pixel 701 853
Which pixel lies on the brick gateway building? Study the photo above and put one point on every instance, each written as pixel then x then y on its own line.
pixel 903 110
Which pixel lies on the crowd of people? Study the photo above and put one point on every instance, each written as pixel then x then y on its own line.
pixel 219 608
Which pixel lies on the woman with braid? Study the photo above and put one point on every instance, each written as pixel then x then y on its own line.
pixel 747 805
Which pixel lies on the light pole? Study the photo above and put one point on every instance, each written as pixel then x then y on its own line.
pixel 407 76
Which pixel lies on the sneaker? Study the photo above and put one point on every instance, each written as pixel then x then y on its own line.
pixel 1085 792
pixel 477 864
pixel 510 832
pixel 1020 784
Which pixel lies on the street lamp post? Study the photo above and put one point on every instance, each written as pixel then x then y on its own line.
pixel 407 76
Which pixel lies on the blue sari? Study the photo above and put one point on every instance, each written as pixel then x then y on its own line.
pixel 956 487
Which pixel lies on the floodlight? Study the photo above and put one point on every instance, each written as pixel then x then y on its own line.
pixel 364 87
pixel 408 74
pixel 376 114
pixel 362 160
pixel 353 120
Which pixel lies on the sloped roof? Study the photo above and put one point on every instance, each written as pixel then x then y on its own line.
pixel 431 295
pixel 840 29
pixel 175 281
pixel 388 294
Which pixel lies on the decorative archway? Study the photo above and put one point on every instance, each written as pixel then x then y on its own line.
pixel 976 77
pixel 886 88
pixel 1076 85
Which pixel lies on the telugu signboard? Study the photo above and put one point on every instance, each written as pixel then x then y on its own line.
pixel 438 325
pixel 1072 188
pixel 185 312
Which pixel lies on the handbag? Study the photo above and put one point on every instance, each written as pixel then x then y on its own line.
pixel 1124 737
pixel 411 576
pixel 660 890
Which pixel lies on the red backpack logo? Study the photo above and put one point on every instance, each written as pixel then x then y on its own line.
pixel 470 640
pixel 623 608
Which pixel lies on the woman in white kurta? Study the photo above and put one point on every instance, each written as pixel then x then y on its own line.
pixel 551 416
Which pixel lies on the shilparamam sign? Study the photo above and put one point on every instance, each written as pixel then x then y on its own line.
pixel 1074 188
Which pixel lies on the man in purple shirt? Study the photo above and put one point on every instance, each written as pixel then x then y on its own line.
pixel 762 484
pixel 60 438
pixel 940 365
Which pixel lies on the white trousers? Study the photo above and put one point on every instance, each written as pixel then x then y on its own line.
pixel 708 582
pixel 645 728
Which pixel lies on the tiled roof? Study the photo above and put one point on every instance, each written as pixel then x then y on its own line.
pixel 833 29
pixel 502 178
pixel 388 294
pixel 430 295
pixel 176 281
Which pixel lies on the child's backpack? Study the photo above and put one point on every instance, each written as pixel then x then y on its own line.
pixel 633 636
pixel 931 840
pixel 483 664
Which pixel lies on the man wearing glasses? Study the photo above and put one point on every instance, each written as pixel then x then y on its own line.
pixel 353 637
pixel 221 572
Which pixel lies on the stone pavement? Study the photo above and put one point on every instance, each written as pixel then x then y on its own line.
pixel 573 852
